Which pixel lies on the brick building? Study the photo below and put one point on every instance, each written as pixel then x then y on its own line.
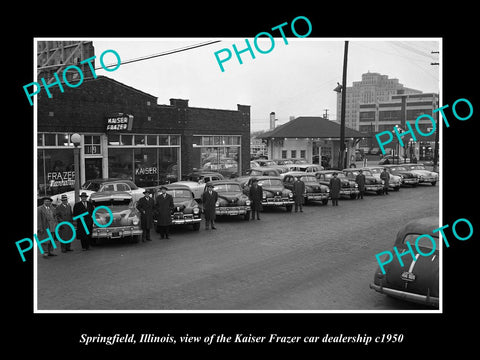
pixel 126 134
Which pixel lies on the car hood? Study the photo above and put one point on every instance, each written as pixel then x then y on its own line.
pixel 423 172
pixel 120 217
pixel 274 190
pixel 231 197
pixel 316 187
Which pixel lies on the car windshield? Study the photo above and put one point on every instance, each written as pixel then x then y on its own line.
pixel 270 182
pixel 417 167
pixel 94 186
pixel 424 242
pixel 180 193
pixel 227 188
pixel 268 163
pixel 398 168
pixel 285 162
pixel 115 205
pixel 376 170
pixel 308 178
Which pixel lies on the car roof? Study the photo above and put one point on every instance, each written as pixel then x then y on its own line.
pixel 298 173
pixel 265 177
pixel 217 182
pixel 420 226
pixel 108 195
pixel 107 180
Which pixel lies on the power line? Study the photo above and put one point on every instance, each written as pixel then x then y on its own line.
pixel 147 57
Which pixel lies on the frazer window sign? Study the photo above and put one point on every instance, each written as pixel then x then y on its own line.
pixel 119 122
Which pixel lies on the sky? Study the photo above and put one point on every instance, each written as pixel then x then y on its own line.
pixel 294 79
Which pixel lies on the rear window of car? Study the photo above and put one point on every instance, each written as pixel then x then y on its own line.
pixel 424 242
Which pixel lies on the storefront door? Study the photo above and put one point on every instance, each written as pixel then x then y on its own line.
pixel 93 168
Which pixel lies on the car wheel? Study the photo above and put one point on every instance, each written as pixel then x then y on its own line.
pixel 196 226
pixel 157 229
pixel 136 238
pixel 246 217
pixel 353 196
pixel 325 201
pixel 396 188
pixel 93 241
pixel 289 208
pixel 379 192
pixel 433 183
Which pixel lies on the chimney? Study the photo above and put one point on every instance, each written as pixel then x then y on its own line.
pixel 272 120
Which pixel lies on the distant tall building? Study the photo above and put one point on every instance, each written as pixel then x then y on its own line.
pixel 373 88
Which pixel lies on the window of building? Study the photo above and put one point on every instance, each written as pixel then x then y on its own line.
pixel 293 154
pixel 302 154
pixel 92 144
pixel 284 154
pixel 220 153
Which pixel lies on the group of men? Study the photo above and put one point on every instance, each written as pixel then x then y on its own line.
pixel 49 217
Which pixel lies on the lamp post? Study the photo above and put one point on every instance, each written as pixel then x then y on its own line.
pixel 76 139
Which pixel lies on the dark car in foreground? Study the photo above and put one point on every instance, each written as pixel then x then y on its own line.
pixel 186 210
pixel 231 199
pixel 349 187
pixel 274 192
pixel 313 190
pixel 416 281
pixel 126 217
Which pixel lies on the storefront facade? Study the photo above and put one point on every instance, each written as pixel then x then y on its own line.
pixel 125 134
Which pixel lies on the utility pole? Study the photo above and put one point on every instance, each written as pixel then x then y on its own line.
pixel 325 115
pixel 341 158
pixel 437 123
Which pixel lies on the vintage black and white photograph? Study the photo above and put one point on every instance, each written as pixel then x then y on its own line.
pixel 276 173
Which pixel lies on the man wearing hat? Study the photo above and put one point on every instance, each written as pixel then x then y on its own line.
pixel 385 176
pixel 46 221
pixel 209 199
pixel 63 212
pixel 81 207
pixel 255 194
pixel 335 187
pixel 163 210
pixel 146 206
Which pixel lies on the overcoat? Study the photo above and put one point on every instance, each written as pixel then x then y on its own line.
pixel 79 209
pixel 360 180
pixel 255 195
pixel 209 204
pixel 385 176
pixel 146 206
pixel 46 220
pixel 163 209
pixel 63 212
pixel 298 191
pixel 335 186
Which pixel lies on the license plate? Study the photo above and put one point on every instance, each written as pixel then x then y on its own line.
pixel 116 234
pixel 408 276
pixel 234 213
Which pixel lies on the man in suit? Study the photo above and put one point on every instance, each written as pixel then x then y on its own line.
pixel 63 212
pixel 385 176
pixel 84 232
pixel 46 221
pixel 255 194
pixel 360 180
pixel 209 199
pixel 163 209
pixel 146 206
pixel 298 191
pixel 335 186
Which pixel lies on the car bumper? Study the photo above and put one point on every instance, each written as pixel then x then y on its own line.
pixel 185 219
pixel 115 233
pixel 277 202
pixel 428 179
pixel 410 181
pixel 375 187
pixel 232 210
pixel 417 298
pixel 349 191
pixel 316 196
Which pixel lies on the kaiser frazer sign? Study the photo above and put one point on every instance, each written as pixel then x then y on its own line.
pixel 119 122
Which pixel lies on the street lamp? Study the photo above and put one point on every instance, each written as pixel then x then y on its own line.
pixel 76 139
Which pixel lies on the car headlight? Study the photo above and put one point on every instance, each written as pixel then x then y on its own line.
pixel 328 190
pixel 217 203
pixel 290 194
pixel 196 210
pixel 264 195
pixel 383 182
pixel 356 185
pixel 247 202
pixel 135 221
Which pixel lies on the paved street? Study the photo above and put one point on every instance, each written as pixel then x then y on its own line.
pixel 321 259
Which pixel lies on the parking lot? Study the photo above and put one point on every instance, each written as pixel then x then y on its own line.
pixel 321 259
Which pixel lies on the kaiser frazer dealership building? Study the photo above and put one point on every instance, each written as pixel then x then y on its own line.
pixel 126 134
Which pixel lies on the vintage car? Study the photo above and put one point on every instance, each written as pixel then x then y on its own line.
pixel 263 171
pixel 349 187
pixel 231 199
pixel 313 190
pixel 265 162
pixel 424 175
pixel 196 181
pixel 186 210
pixel 408 177
pixel 415 281
pixel 371 182
pixel 125 185
pixel 253 164
pixel 395 180
pixel 308 168
pixel 274 192
pixel 126 217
